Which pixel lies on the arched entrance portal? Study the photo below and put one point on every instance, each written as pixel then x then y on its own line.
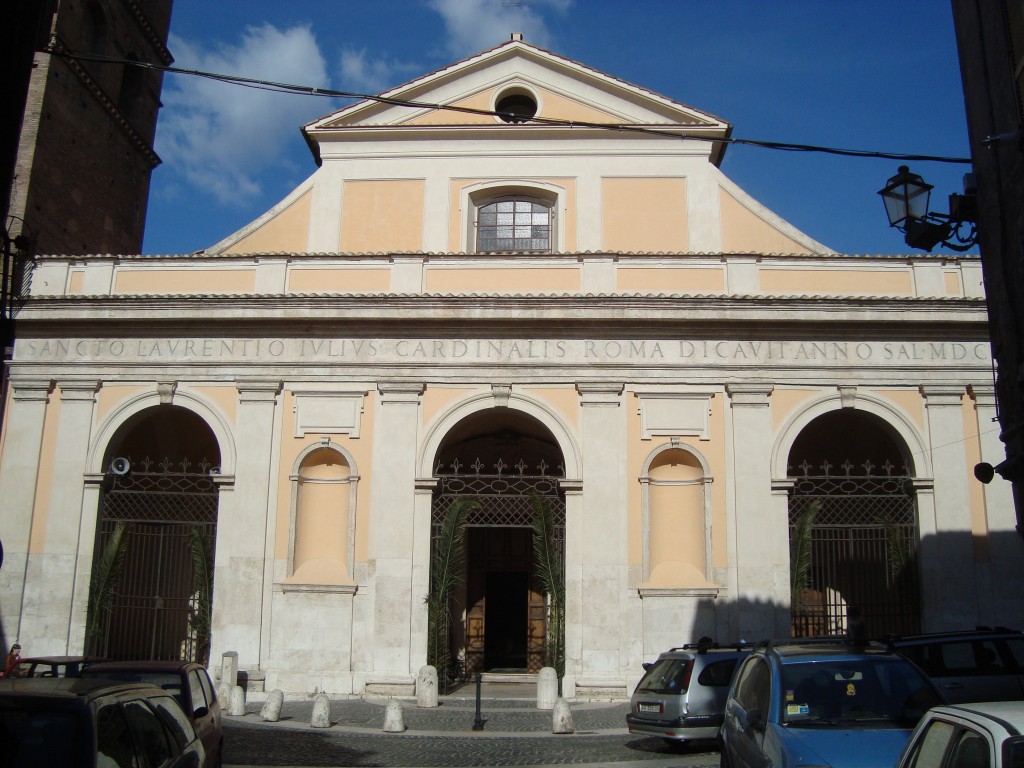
pixel 504 462
pixel 853 528
pixel 152 580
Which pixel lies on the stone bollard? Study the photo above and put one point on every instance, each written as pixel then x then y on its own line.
pixel 224 694
pixel 426 687
pixel 229 668
pixel 547 688
pixel 561 717
pixel 321 711
pixel 271 711
pixel 393 720
pixel 237 706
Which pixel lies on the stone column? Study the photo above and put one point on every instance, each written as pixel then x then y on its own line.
pixel 947 557
pixel 50 577
pixel 760 524
pixel 393 501
pixel 18 472
pixel 242 554
pixel 421 532
pixel 604 536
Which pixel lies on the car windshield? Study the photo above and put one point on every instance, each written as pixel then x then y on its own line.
pixel 35 737
pixel 168 681
pixel 855 690
pixel 666 676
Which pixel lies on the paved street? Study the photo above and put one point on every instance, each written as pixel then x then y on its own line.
pixel 514 733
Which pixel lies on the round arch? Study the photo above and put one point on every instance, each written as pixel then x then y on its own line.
pixel 892 416
pixel 142 401
pixel 447 420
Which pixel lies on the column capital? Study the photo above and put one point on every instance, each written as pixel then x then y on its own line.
pixel 27 388
pixel 78 390
pixel 600 393
pixel 400 391
pixel 942 395
pixel 983 394
pixel 749 394
pixel 257 390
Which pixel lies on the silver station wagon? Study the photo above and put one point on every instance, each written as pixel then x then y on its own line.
pixel 682 695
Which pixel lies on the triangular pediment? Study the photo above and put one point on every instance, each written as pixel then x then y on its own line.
pixel 563 89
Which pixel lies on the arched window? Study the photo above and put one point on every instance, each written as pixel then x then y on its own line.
pixel 323 509
pixel 514 223
pixel 676 508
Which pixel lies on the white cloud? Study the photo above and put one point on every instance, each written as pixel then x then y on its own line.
pixel 220 137
pixel 360 74
pixel 475 25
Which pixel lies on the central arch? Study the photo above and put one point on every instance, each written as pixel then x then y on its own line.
pixel 505 462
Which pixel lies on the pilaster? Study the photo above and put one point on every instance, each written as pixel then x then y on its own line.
pixel 761 525
pixel 391 535
pixel 19 469
pixel 50 576
pixel 243 518
pixel 604 535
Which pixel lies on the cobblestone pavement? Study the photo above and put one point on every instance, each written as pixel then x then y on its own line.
pixel 514 733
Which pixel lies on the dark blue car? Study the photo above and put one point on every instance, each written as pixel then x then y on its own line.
pixel 822 703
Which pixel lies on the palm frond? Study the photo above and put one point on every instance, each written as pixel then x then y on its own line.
pixel 106 575
pixel 202 588
pixel 897 548
pixel 800 553
pixel 550 570
pixel 446 572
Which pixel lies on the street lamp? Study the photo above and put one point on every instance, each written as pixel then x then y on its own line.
pixel 906 196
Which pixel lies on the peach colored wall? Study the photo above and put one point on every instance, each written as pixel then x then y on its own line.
pixel 745 232
pixel 338 280
pixel 975 490
pixel 844 281
pixel 111 395
pixel 564 399
pixel 552 105
pixel 644 214
pixel 443 280
pixel 909 400
pixel 225 397
pixel 44 480
pixel 76 281
pixel 952 284
pixel 382 216
pixel 784 402
pixel 287 232
pixel 668 279
pixel 565 219
pixel 436 399
pixel 193 280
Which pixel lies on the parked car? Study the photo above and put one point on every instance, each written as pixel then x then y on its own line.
pixel 76 723
pixel 979 665
pixel 984 735
pixel 822 703
pixel 52 666
pixel 681 697
pixel 187 682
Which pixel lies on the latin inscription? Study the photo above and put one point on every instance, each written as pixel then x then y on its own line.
pixel 555 351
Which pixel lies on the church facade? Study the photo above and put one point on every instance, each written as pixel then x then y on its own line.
pixel 565 306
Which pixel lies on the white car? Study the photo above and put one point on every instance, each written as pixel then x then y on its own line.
pixel 985 735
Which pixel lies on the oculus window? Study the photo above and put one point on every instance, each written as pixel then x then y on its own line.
pixel 514 224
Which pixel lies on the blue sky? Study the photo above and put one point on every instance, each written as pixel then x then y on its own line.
pixel 871 75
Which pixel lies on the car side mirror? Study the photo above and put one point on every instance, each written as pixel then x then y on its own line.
pixel 646 665
pixel 199 712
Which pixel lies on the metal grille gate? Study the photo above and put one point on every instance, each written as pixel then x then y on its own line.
pixel 156 609
pixel 862 552
pixel 503 501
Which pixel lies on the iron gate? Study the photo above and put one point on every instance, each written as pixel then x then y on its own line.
pixel 502 501
pixel 161 602
pixel 861 558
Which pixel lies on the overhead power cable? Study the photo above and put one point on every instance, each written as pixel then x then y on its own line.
pixel 674 133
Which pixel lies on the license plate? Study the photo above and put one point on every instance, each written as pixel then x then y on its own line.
pixel 648 708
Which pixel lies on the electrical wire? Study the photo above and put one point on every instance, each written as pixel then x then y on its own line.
pixel 54 49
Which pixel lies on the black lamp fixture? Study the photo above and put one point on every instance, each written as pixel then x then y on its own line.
pixel 906 197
